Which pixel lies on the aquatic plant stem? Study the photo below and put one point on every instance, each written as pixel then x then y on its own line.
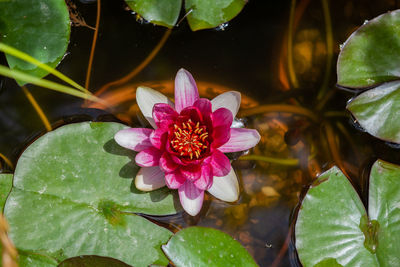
pixel 329 49
pixel 18 75
pixel 139 68
pixel 95 34
pixel 333 147
pixel 279 108
pixel 7 161
pixel 37 108
pixel 286 162
pixel 21 55
pixel 284 247
pixel 9 253
pixel 292 72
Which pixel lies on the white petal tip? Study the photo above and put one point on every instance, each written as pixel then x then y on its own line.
pixel 225 188
pixel 149 179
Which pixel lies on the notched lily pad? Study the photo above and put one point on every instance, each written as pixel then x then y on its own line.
pixel 40 28
pixel 333 224
pixel 201 246
pixel 69 186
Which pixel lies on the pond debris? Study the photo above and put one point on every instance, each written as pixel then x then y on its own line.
pixel 76 18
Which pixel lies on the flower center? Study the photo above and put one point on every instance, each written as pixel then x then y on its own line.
pixel 189 139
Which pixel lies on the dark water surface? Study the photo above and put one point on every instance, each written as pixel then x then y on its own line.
pixel 251 56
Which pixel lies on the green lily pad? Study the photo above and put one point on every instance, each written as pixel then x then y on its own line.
pixel 205 14
pixel 333 226
pixel 371 55
pixel 73 195
pixel 164 13
pixel 40 28
pixel 201 14
pixel 200 246
pixel 5 187
pixel 376 110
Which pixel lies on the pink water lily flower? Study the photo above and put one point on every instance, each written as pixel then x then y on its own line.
pixel 185 150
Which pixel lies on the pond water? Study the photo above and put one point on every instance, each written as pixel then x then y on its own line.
pixel 253 55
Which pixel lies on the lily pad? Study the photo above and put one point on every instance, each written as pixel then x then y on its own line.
pixel 371 55
pixel 205 14
pixel 40 28
pixel 164 13
pixel 5 187
pixel 377 111
pixel 201 14
pixel 333 226
pixel 73 195
pixel 370 58
pixel 200 246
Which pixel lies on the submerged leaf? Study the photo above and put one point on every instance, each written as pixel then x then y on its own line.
pixel 333 226
pixel 200 246
pixel 40 28
pixel 74 187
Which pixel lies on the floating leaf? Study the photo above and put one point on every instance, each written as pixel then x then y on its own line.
pixel 201 14
pixel 164 13
pixel 39 28
pixel 5 187
pixel 206 14
pixel 333 227
pixel 371 55
pixel 73 195
pixel 376 110
pixel 200 246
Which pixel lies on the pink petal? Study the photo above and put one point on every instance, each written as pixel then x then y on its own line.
pixel 149 179
pixel 134 138
pixel 203 105
pixel 191 171
pixel 221 135
pixel 225 188
pixel 222 117
pixel 220 164
pixel 191 198
pixel 164 114
pixel 229 100
pixel 241 139
pixel 148 157
pixel 167 164
pixel 158 138
pixel 146 98
pixel 206 178
pixel 174 179
pixel 186 92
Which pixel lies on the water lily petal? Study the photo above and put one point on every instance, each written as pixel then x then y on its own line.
pixel 191 171
pixel 149 179
pixel 225 188
pixel 148 158
pixel 146 98
pixel 164 115
pixel 203 105
pixel 230 100
pixel 206 178
pixel 220 164
pixel 186 92
pixel 167 164
pixel 241 139
pixel 158 138
pixel 134 138
pixel 221 135
pixel 191 198
pixel 222 117
pixel 174 179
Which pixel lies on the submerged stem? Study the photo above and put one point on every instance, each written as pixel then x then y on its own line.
pixel 279 108
pixel 286 162
pixel 37 108
pixel 7 161
pixel 95 34
pixel 292 72
pixel 139 68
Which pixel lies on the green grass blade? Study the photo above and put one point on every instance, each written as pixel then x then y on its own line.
pixel 21 55
pixel 48 84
